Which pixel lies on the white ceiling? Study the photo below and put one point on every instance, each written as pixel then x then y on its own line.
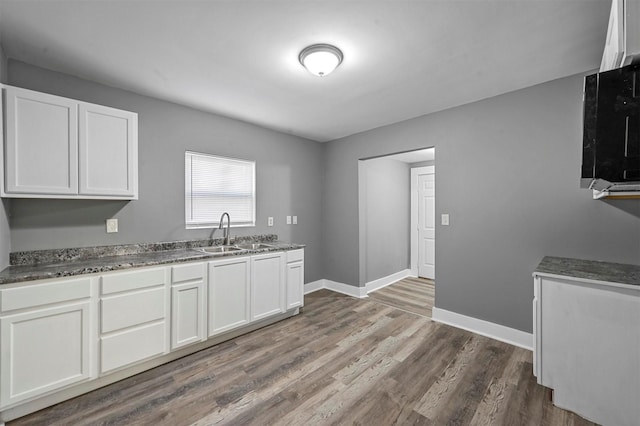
pixel 402 59
pixel 418 156
pixel 410 157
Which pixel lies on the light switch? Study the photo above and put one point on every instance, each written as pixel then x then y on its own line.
pixel 112 226
pixel 295 220
pixel 288 220
pixel 445 219
pixel 270 221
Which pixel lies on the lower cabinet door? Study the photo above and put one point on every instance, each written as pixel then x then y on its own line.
pixel 44 350
pixel 267 285
pixel 228 294
pixel 187 314
pixel 295 284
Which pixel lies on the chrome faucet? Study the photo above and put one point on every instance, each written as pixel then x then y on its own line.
pixel 227 236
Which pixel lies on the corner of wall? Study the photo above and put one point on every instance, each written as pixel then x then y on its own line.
pixel 5 235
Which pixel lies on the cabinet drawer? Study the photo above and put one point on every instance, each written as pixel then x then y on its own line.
pixel 127 310
pixel 132 280
pixel 295 255
pixel 32 295
pixel 127 347
pixel 192 272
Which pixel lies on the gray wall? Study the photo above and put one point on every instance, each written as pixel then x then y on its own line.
pixel 386 213
pixel 289 176
pixel 5 237
pixel 508 174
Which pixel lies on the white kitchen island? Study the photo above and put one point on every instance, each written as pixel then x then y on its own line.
pixel 586 327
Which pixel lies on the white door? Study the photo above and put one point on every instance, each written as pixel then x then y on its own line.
pixel 295 278
pixel 42 143
pixel 229 303
pixel 427 225
pixel 44 350
pixel 267 285
pixel 187 313
pixel 108 149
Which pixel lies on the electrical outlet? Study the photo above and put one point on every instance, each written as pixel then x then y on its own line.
pixel 288 220
pixel 445 219
pixel 295 220
pixel 269 221
pixel 112 226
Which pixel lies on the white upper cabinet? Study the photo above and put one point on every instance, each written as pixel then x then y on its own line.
pixel 61 148
pixel 623 35
pixel 42 143
pixel 107 150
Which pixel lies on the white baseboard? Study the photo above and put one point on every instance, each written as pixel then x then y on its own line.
pixel 347 289
pixel 484 328
pixel 313 286
pixel 388 280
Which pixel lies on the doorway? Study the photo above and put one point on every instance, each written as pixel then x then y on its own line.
pixel 396 193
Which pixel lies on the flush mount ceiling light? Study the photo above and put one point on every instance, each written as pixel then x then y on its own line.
pixel 320 59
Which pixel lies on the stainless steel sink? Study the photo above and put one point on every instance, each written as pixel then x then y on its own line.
pixel 221 249
pixel 255 246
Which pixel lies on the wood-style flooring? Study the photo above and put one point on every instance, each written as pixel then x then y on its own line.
pixel 415 295
pixel 343 361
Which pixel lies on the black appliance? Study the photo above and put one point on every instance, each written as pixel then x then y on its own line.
pixel 611 133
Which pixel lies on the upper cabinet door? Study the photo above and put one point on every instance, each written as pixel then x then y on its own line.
pixel 108 149
pixel 622 45
pixel 41 145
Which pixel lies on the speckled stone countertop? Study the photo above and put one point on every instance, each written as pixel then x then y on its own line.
pixel 618 273
pixel 72 262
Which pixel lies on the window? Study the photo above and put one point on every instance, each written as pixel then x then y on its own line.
pixel 214 185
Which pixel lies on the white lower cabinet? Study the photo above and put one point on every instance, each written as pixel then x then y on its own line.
pixel 188 304
pixel 45 338
pixel 228 294
pixel 61 334
pixel 267 285
pixel 295 279
pixel 134 317
pixel 587 346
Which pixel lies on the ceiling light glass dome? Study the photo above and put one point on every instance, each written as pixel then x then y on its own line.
pixel 320 59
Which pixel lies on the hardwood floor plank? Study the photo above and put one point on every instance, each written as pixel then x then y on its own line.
pixel 415 295
pixel 441 391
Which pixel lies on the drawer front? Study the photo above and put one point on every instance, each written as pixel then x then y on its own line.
pixel 31 295
pixel 295 255
pixel 132 280
pixel 127 347
pixel 129 309
pixel 183 273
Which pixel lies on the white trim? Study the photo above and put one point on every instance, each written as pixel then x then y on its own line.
pixel 313 286
pixel 388 280
pixel 415 172
pixel 349 290
pixel 484 328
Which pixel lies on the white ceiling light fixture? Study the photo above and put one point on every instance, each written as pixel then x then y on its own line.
pixel 320 59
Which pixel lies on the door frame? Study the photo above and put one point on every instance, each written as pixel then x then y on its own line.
pixel 415 172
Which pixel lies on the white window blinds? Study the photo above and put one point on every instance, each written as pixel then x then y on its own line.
pixel 214 185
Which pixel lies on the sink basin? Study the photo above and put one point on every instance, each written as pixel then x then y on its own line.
pixel 221 249
pixel 254 246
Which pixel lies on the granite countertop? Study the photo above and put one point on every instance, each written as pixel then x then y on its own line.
pixel 78 265
pixel 618 273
